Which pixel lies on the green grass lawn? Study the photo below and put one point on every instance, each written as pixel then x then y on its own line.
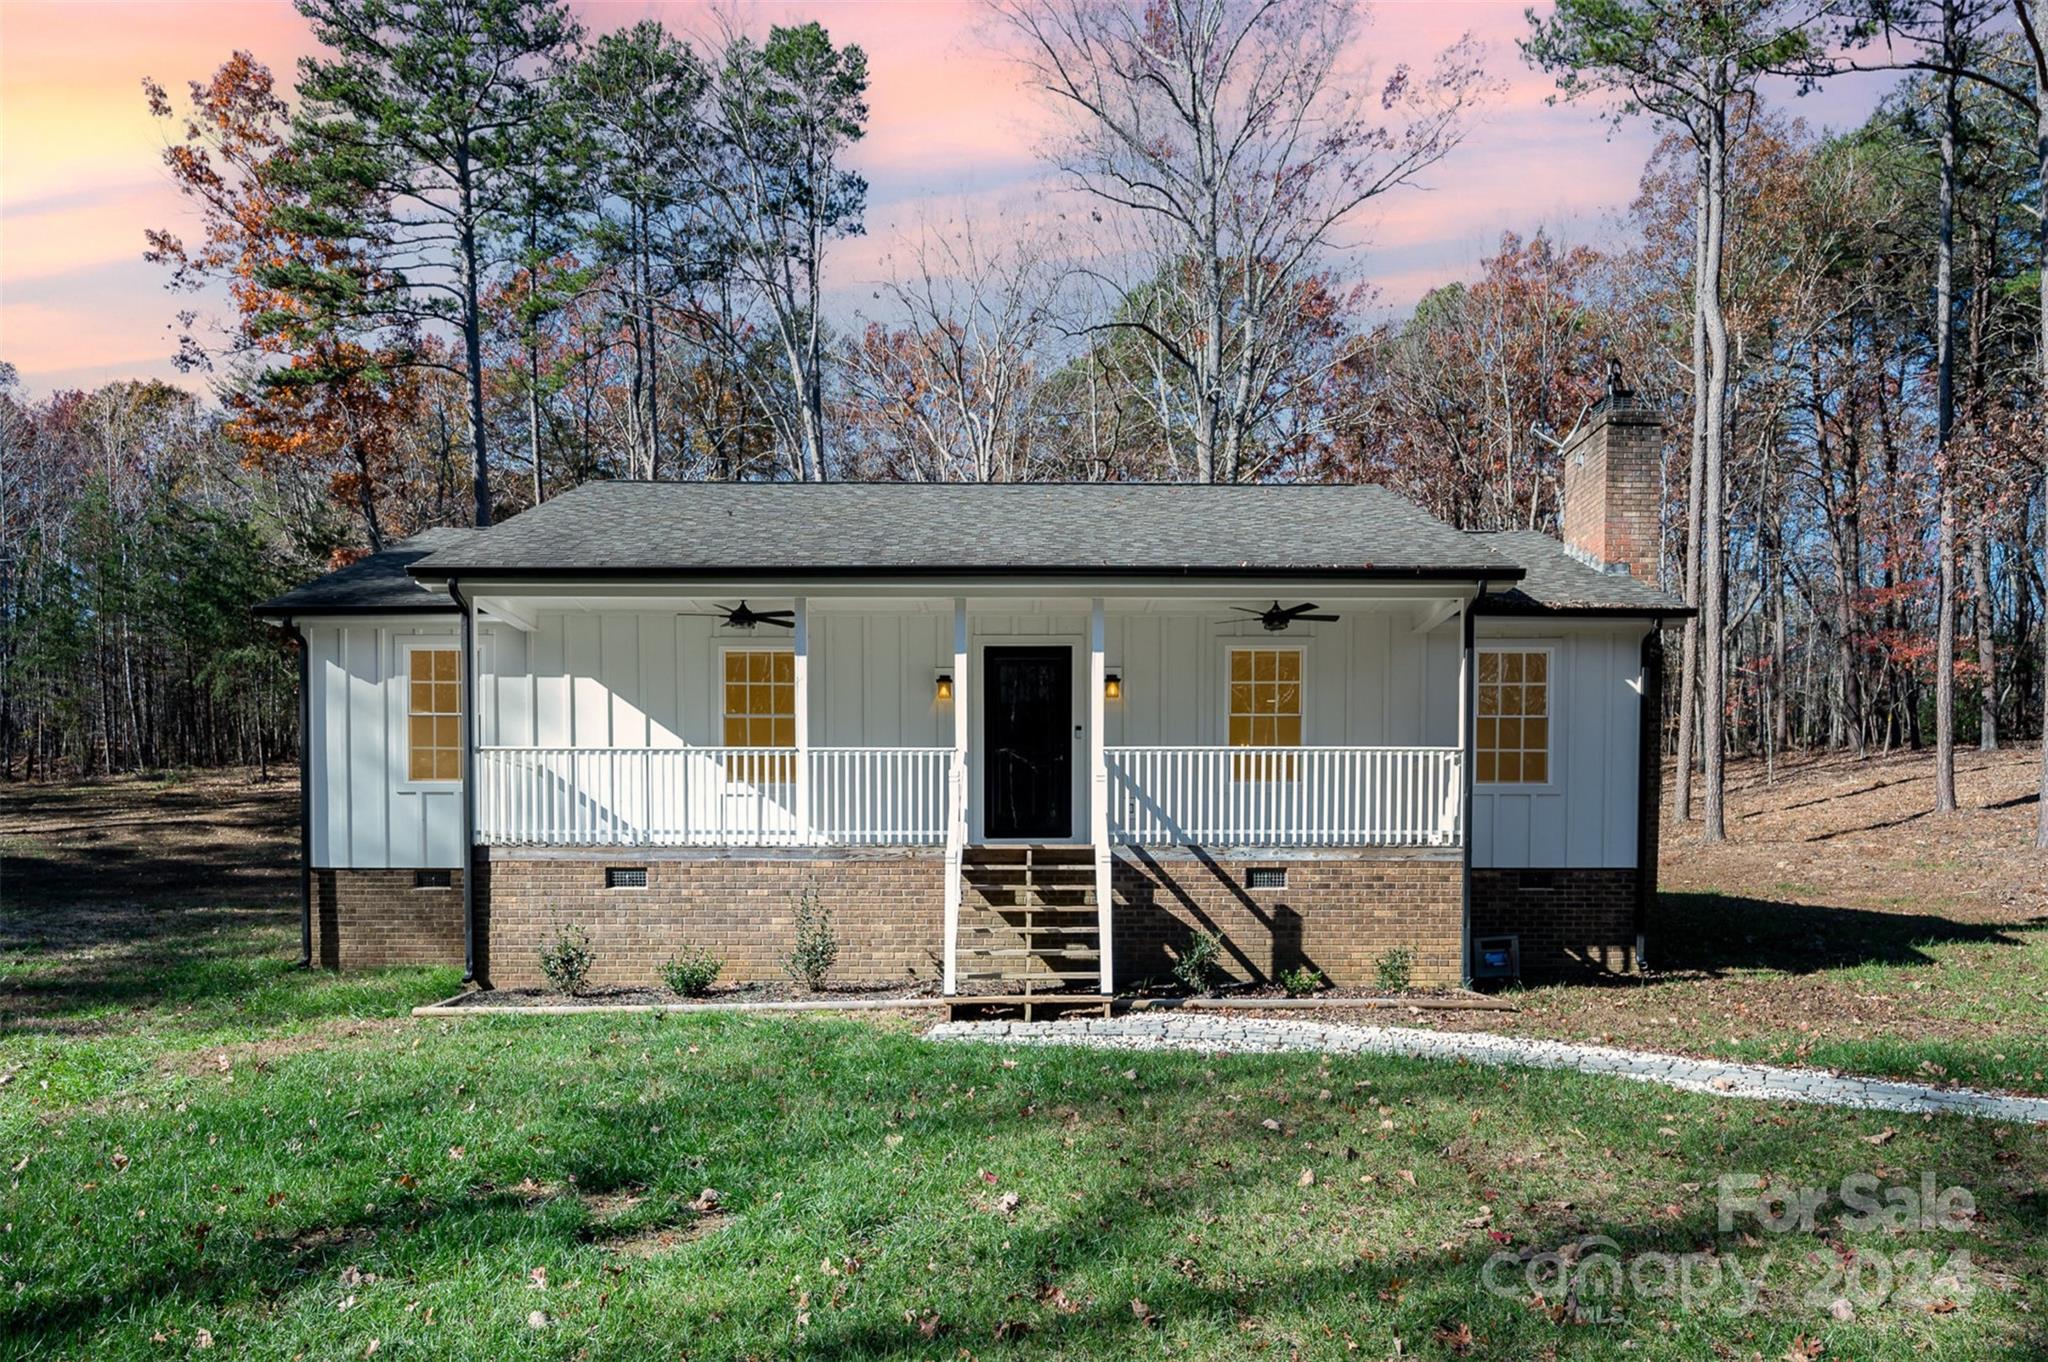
pixel 204 1150
pixel 222 1148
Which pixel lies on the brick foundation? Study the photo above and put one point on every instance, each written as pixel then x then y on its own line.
pixel 366 919
pixel 888 907
pixel 1338 914
pixel 1573 923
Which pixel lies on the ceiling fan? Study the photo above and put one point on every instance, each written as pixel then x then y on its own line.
pixel 1276 619
pixel 740 617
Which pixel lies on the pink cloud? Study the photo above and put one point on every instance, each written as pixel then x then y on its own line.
pixel 952 133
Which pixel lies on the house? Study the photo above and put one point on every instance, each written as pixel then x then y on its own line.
pixel 1035 732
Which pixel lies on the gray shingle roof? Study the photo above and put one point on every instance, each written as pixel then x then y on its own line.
pixel 1557 581
pixel 380 582
pixel 685 529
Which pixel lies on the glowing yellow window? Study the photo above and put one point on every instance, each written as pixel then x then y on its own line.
pixel 760 710
pixel 1265 709
pixel 1513 738
pixel 433 715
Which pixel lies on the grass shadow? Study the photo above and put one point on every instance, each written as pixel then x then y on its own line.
pixel 1712 934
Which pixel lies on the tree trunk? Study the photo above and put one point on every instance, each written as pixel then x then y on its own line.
pixel 1713 584
pixel 1689 650
pixel 1987 642
pixel 1945 419
pixel 472 340
pixel 2040 25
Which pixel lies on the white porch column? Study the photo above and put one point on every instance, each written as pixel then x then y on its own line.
pixel 801 644
pixel 1098 787
pixel 956 793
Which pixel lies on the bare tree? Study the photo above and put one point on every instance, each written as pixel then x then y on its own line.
pixel 948 392
pixel 1232 138
pixel 782 113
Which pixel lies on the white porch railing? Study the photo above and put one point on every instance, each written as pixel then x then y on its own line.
pixel 1284 796
pixel 709 796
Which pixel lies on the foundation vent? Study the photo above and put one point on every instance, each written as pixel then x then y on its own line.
pixel 432 879
pixel 625 877
pixel 1266 877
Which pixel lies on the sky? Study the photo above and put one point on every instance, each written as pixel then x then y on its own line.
pixel 952 135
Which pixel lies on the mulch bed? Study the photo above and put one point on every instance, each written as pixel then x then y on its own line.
pixel 661 997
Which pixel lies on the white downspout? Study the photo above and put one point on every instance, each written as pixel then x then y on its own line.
pixel 806 832
pixel 956 795
pixel 1098 790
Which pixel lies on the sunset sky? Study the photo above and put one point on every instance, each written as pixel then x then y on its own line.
pixel 951 133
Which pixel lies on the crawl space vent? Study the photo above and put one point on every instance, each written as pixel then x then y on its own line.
pixel 1266 877
pixel 626 877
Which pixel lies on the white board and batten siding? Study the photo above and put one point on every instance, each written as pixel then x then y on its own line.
pixel 653 678
pixel 1585 817
pixel 366 814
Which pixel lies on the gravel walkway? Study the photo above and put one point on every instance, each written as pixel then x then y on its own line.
pixel 1220 1033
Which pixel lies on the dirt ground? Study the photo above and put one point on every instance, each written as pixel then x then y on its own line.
pixel 1840 912
pixel 214 837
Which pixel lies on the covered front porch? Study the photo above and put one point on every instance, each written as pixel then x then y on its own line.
pixel 861 721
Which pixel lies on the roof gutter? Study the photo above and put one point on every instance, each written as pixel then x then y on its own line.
pixel 867 572
pixel 298 638
pixel 468 781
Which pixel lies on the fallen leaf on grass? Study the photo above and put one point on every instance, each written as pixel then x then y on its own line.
pixel 1456 1337
pixel 1882 1137
pixel 1308 1177
pixel 1057 1299
pixel 1144 1313
pixel 710 1199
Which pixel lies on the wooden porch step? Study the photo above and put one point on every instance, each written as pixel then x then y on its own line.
pixel 1039 953
pixel 1069 900
pixel 1044 929
pixel 1075 853
pixel 1033 1005
pixel 1011 976
pixel 1050 875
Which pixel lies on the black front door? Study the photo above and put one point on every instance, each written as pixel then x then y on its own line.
pixel 1027 718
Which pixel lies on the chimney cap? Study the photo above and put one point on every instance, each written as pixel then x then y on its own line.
pixel 1619 397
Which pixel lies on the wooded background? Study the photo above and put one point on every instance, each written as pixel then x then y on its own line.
pixel 476 255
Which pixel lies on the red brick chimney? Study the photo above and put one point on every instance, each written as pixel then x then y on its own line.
pixel 1612 481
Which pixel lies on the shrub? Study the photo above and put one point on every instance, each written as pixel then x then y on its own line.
pixel 1300 981
pixel 817 945
pixel 1199 965
pixel 565 962
pixel 1392 969
pixel 692 973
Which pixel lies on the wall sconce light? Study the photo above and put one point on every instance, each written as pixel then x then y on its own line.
pixel 1113 686
pixel 944 686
